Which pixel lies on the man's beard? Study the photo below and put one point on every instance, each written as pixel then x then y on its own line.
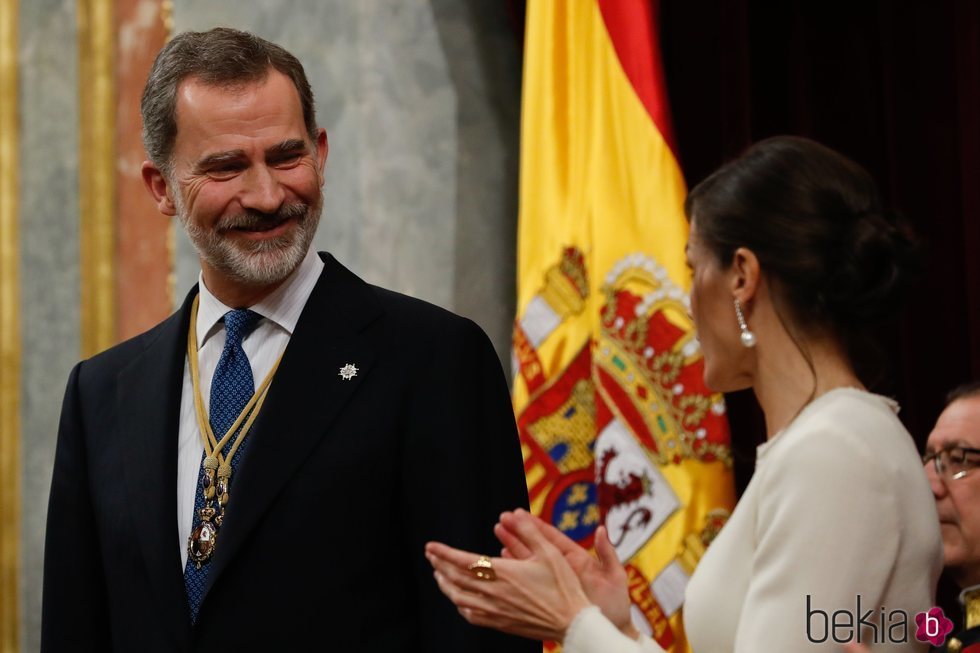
pixel 255 263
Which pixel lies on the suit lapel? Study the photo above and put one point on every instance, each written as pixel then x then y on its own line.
pixel 306 395
pixel 149 393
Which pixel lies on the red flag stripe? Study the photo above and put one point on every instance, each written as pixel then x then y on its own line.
pixel 633 30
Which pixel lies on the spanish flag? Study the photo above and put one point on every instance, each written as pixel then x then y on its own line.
pixel 616 424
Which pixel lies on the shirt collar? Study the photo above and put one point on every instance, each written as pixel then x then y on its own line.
pixel 282 307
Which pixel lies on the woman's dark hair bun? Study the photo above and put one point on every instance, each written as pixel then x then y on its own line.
pixel 815 221
pixel 872 270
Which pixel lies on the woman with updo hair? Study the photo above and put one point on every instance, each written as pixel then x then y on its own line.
pixel 793 259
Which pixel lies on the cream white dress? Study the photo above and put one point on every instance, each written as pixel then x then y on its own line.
pixel 839 506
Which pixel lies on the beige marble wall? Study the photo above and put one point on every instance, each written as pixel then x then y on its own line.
pixel 49 265
pixel 485 69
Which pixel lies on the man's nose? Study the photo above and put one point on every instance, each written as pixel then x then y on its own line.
pixel 938 485
pixel 262 192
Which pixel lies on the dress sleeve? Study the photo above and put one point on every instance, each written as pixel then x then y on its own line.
pixel 591 632
pixel 825 534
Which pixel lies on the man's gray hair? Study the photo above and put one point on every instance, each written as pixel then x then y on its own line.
pixel 965 391
pixel 222 57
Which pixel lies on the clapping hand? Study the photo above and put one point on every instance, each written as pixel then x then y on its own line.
pixel 536 596
pixel 602 576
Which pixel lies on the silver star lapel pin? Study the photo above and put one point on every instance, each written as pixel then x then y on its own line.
pixel 348 372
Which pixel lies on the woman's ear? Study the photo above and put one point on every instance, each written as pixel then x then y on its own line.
pixel 745 275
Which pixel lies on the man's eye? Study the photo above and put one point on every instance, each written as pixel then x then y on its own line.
pixel 224 170
pixel 286 159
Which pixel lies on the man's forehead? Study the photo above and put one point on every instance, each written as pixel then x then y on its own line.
pixel 214 116
pixel 194 93
pixel 958 424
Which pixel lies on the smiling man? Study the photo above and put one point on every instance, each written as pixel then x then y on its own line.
pixel 261 470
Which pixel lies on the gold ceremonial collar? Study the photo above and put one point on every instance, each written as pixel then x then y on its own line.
pixel 970 598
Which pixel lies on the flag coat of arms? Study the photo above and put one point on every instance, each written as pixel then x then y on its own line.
pixel 616 424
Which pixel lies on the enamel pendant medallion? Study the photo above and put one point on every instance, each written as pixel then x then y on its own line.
pixel 200 545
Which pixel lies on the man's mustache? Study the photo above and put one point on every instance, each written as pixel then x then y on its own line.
pixel 257 219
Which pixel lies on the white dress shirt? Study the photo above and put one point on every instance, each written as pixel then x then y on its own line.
pixel 280 312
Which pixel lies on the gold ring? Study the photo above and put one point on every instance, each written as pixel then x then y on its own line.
pixel 483 569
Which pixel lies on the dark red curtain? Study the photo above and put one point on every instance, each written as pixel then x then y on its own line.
pixel 895 86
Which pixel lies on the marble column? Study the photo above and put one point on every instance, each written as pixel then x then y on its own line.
pixel 49 265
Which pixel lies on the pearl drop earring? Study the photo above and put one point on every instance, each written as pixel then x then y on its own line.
pixel 748 338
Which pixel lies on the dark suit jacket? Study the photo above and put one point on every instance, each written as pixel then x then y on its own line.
pixel 342 484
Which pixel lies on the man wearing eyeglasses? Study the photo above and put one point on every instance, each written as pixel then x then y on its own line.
pixel 951 460
pixel 952 457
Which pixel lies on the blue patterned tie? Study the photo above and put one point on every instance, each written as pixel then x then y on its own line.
pixel 231 388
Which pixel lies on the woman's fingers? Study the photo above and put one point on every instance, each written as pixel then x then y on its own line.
pixel 521 524
pixel 564 544
pixel 555 536
pixel 605 550
pixel 462 576
pixel 497 612
pixel 511 542
pixel 478 603
pixel 462 597
pixel 457 564
pixel 536 597
pixel 455 556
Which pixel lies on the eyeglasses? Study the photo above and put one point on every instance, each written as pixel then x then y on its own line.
pixel 953 463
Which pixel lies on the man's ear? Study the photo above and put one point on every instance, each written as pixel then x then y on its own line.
pixel 156 183
pixel 745 274
pixel 322 147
